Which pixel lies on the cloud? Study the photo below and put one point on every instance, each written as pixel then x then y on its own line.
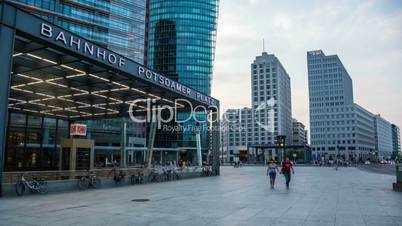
pixel 365 34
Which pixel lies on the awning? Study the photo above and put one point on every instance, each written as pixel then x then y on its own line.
pixel 60 74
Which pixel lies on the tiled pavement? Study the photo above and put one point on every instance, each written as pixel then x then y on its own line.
pixel 317 196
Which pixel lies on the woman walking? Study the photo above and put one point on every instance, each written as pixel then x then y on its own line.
pixel 271 172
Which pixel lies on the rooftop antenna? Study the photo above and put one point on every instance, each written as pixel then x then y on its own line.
pixel 263 45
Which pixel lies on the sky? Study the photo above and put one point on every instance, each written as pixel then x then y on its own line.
pixel 365 34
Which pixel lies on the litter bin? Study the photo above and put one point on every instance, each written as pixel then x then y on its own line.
pixel 398 184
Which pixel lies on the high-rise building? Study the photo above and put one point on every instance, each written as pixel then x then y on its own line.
pixel 181 46
pixel 271 100
pixel 337 125
pixel 118 25
pixel 383 137
pixel 237 133
pixel 269 116
pixel 182 40
pixel 396 140
pixel 362 125
pixel 299 133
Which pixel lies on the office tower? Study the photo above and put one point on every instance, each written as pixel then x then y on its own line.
pixel 181 46
pixel 237 133
pixel 271 100
pixel 337 124
pixel 182 40
pixel 270 115
pixel 117 24
pixel 362 126
pixel 383 137
pixel 299 133
pixel 396 140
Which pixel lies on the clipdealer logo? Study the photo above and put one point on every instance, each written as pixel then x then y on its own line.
pixel 266 109
pixel 161 114
pixel 267 124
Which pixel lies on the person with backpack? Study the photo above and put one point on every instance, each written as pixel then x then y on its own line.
pixel 287 168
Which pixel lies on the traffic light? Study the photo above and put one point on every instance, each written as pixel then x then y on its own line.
pixel 280 141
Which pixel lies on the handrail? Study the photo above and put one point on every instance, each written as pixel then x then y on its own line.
pixel 49 175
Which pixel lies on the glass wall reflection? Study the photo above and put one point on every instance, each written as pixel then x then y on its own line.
pixel 33 142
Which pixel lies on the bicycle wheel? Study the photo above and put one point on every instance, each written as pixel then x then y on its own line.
pixel 133 179
pixel 83 183
pixel 42 187
pixel 20 188
pixel 96 183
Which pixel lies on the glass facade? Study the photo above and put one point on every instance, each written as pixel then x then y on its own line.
pixel 34 142
pixel 118 25
pixel 181 45
pixel 182 40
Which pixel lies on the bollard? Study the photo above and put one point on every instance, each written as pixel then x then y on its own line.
pixel 397 186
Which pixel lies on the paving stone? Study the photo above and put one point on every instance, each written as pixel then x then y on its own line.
pixel 241 196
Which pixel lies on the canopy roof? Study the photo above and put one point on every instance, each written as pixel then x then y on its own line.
pixel 60 74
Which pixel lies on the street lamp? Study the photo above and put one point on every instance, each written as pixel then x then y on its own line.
pixel 336 156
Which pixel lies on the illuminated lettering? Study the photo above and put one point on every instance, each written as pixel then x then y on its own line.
pixel 122 61
pixel 112 58
pixel 46 30
pixel 76 42
pixel 61 37
pixel 101 53
pixel 88 48
pixel 141 70
pixel 167 82
pixel 148 74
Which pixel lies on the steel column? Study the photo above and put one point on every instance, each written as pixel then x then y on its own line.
pixel 215 142
pixel 7 35
pixel 123 144
pixel 151 139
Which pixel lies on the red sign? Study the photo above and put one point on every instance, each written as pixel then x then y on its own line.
pixel 78 130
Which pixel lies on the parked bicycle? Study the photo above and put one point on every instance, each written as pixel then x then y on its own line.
pixel 118 176
pixel 89 180
pixel 137 178
pixel 206 171
pixel 177 174
pixel 168 174
pixel 155 176
pixel 35 185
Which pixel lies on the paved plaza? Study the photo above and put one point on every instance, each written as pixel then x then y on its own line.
pixel 240 196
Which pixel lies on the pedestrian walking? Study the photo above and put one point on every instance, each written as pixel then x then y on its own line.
pixel 271 172
pixel 287 168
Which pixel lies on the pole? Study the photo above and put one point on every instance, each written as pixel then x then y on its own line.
pixel 6 52
pixel 123 143
pixel 198 140
pixel 215 141
pixel 336 157
pixel 151 138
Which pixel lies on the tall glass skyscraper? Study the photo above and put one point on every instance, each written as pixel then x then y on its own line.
pixel 118 25
pixel 181 45
pixel 182 37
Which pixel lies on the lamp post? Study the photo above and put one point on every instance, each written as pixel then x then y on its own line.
pixel 336 156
